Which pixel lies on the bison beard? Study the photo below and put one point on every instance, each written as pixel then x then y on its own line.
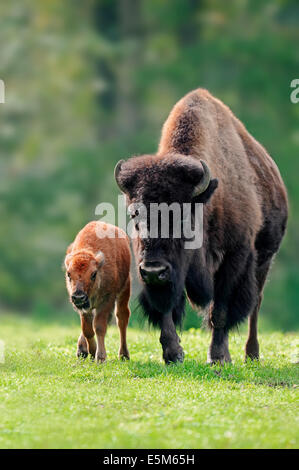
pixel 245 216
pixel 157 300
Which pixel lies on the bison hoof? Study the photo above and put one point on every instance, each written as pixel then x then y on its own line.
pixel 252 356
pixel 252 351
pixel 172 356
pixel 223 359
pixel 220 361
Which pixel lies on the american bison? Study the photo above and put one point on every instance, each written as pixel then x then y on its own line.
pixel 98 277
pixel 207 156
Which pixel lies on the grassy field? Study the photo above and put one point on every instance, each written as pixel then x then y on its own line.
pixel 49 399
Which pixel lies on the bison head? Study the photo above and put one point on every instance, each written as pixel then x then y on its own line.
pixel 83 277
pixel 149 181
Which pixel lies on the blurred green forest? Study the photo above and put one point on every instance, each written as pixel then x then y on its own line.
pixel 88 83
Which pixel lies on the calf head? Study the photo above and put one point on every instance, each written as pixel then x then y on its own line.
pixel 162 262
pixel 83 277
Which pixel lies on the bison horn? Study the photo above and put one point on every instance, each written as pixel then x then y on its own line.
pixel 204 182
pixel 116 174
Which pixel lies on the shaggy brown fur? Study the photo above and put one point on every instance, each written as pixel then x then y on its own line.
pixel 244 221
pixel 97 278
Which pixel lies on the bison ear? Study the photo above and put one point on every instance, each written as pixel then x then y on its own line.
pixel 205 196
pixel 117 171
pixel 100 259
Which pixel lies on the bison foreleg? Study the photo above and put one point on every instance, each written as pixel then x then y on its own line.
pixel 218 351
pixel 170 341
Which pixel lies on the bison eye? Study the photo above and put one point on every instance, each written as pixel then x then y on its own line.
pixel 93 276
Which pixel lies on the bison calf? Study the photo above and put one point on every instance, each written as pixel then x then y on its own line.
pixel 98 277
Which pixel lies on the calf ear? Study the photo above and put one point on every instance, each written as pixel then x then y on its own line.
pixel 100 259
pixel 69 248
pixel 205 196
pixel 67 261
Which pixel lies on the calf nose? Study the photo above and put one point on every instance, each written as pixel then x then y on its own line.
pixel 153 273
pixel 79 298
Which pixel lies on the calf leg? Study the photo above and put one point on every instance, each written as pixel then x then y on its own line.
pixel 100 327
pixel 122 318
pixel 86 341
pixel 82 348
pixel 172 351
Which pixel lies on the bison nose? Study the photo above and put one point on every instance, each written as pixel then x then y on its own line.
pixel 153 273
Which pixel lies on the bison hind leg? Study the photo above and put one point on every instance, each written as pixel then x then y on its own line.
pixel 244 295
pixel 235 297
pixel 252 345
pixel 267 244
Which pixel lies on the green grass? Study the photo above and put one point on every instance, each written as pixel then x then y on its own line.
pixel 49 399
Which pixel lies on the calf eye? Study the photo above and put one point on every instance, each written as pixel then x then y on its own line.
pixel 93 276
pixel 69 276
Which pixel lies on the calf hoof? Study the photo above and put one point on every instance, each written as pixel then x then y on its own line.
pixel 124 356
pixel 173 355
pixel 82 353
pixel 82 347
pixel 100 359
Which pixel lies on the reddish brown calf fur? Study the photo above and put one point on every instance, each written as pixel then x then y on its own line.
pixel 97 279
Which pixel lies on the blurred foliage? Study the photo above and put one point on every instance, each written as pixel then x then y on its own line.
pixel 88 83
